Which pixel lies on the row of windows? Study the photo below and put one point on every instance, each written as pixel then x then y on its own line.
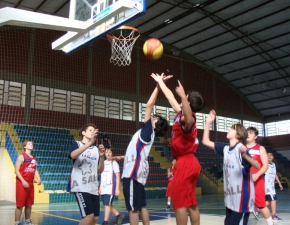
pixel 13 93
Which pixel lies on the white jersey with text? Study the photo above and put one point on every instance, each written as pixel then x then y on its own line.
pixel 108 177
pixel 238 183
pixel 84 175
pixel 270 176
pixel 136 164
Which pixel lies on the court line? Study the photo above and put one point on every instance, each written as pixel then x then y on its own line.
pixel 61 217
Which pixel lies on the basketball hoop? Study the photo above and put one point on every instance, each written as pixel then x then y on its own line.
pixel 122 42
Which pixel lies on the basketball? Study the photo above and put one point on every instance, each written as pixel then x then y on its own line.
pixel 153 48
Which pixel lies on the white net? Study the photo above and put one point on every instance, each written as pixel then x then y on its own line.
pixel 122 42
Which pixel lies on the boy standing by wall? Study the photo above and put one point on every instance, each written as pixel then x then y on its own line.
pixel 26 170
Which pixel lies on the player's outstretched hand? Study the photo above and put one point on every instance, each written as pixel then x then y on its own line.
pixel 101 150
pixel 167 77
pixel 211 116
pixel 158 78
pixel 180 90
pixel 118 158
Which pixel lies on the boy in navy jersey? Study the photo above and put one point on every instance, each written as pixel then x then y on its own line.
pixel 25 170
pixel 136 166
pixel 238 183
pixel 88 161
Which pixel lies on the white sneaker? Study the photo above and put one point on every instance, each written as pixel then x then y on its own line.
pixel 276 218
pixel 256 214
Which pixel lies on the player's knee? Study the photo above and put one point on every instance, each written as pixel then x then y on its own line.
pixel 96 218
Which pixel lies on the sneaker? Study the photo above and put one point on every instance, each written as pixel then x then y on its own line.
pixel 29 223
pixel 276 218
pixel 120 219
pixel 256 214
pixel 105 223
pixel 168 207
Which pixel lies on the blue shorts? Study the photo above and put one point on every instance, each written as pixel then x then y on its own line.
pixel 134 194
pixel 88 203
pixel 234 218
pixel 270 198
pixel 108 199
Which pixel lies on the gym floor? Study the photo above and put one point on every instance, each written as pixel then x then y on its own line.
pixel 211 208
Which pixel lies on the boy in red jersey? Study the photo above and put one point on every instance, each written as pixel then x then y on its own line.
pixel 184 143
pixel 259 154
pixel 25 170
pixel 170 179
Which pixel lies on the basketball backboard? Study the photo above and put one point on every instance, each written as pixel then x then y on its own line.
pixel 101 17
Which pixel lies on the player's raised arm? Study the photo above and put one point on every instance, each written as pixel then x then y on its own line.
pixel 205 140
pixel 160 79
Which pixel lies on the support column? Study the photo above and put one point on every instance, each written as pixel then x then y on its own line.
pixel 29 78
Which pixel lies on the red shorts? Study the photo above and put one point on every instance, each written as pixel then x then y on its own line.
pixel 186 172
pixel 24 196
pixel 168 191
pixel 260 192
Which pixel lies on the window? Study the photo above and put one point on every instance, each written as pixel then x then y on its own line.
pixel 278 128
pixel 224 123
pixel 259 126
pixel 57 100
pixel 112 108
pixel 12 93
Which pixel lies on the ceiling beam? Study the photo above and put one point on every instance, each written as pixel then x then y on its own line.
pixel 18 3
pixel 176 18
pixel 257 53
pixel 257 64
pixel 266 90
pixel 241 48
pixel 265 100
pixel 249 34
pixel 257 74
pixel 213 13
pixel 59 8
pixel 40 5
pixel 236 28
pixel 274 107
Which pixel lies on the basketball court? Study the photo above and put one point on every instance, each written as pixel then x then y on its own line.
pixel 211 209
pixel 86 23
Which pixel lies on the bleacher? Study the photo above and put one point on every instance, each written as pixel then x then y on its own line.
pixel 51 147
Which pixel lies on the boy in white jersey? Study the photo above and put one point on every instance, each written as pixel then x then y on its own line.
pixel 270 177
pixel 136 166
pixel 238 183
pixel 109 188
pixel 88 161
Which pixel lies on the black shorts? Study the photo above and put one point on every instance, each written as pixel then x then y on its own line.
pixel 134 194
pixel 88 203
pixel 271 197
pixel 234 218
pixel 108 199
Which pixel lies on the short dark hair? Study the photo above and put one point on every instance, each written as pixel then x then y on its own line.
pixel 161 126
pixel 196 101
pixel 85 127
pixel 254 129
pixel 241 132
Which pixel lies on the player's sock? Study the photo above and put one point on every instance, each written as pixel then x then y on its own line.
pixel 269 221
pixel 168 203
pixel 17 223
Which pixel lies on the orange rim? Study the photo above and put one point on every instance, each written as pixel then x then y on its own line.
pixel 112 37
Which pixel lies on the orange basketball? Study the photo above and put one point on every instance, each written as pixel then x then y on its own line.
pixel 153 48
